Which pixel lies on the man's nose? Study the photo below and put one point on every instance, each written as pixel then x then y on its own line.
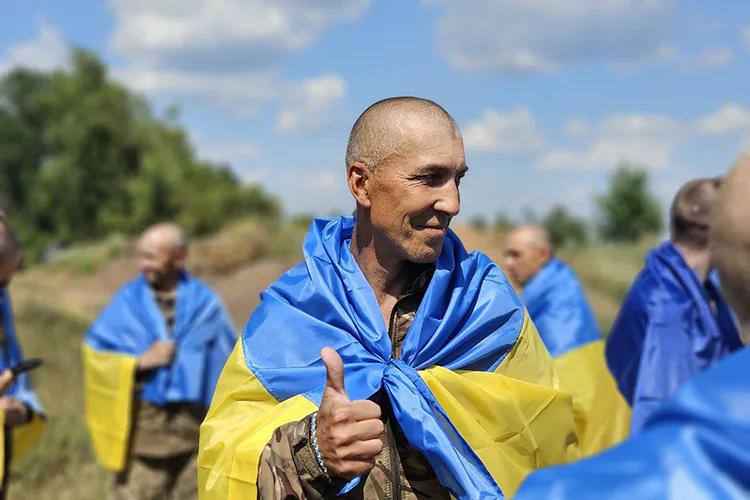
pixel 450 200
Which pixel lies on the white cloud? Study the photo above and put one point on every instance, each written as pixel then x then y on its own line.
pixel 510 132
pixel 746 36
pixel 315 104
pixel 576 127
pixel 644 139
pixel 716 58
pixel 221 52
pixel 730 118
pixel 324 180
pixel 46 52
pixel 540 35
pixel 222 151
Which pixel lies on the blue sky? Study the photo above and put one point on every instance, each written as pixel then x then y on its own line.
pixel 550 94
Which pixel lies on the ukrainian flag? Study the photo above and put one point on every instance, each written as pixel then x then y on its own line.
pixel 474 390
pixel 26 435
pixel 558 306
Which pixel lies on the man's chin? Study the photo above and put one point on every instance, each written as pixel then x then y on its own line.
pixel 428 254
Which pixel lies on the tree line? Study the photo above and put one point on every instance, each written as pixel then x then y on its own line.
pixel 82 157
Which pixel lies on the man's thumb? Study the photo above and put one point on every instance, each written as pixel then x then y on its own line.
pixel 334 370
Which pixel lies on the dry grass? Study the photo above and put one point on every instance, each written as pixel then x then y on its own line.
pixel 239 262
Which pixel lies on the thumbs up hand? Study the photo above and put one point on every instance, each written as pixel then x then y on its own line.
pixel 349 432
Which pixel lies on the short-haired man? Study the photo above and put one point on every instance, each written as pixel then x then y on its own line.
pixel 561 313
pixel 390 364
pixel 155 353
pixel 674 322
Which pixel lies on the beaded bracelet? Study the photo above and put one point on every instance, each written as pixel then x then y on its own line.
pixel 314 442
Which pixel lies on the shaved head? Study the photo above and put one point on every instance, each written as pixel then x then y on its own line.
pixel 527 249
pixel 162 250
pixel 392 127
pixel 730 241
pixel 690 213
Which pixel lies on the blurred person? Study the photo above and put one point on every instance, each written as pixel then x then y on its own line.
pixel 390 364
pixel 674 322
pixel 23 416
pixel 152 359
pixel 557 305
pixel 696 444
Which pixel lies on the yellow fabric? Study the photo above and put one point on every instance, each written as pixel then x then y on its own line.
pixel 515 419
pixel 2 440
pixel 578 371
pixel 109 380
pixel 609 419
pixel 26 435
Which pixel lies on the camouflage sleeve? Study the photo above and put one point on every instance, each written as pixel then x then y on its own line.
pixel 288 468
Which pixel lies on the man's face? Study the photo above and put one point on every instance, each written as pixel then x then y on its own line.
pixel 414 196
pixel 156 261
pixel 522 259
pixel 8 270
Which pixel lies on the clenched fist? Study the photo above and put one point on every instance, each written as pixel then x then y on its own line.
pixel 158 356
pixel 349 432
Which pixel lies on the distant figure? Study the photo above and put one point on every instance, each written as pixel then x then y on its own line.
pixel 557 304
pixel 673 322
pixel 696 444
pixel 23 416
pixel 152 360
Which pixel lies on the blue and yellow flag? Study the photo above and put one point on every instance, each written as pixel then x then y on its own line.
pixel 693 446
pixel 129 325
pixel 26 435
pixel 558 306
pixel 666 332
pixel 474 390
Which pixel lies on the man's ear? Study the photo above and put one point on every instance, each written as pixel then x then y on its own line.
pixel 359 178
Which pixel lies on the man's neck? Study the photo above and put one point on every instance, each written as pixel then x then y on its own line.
pixel 168 284
pixel 698 260
pixel 385 274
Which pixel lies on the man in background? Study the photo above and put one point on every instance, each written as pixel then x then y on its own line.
pixel 695 444
pixel 152 360
pixel 558 307
pixel 674 322
pixel 23 416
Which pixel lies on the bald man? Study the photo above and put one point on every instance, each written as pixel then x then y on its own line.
pixel 390 364
pixel 674 322
pixel 152 359
pixel 696 444
pixel 22 414
pixel 558 306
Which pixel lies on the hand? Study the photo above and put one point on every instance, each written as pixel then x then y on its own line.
pixel 16 412
pixel 158 356
pixel 6 380
pixel 349 433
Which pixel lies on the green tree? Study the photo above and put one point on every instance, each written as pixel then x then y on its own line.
pixel 503 223
pixel 629 210
pixel 479 222
pixel 564 228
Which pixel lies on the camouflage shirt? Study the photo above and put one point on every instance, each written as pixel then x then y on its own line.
pixel 288 469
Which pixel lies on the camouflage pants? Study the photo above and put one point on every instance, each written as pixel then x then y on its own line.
pixel 170 478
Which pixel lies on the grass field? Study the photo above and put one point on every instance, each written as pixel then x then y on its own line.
pixel 55 303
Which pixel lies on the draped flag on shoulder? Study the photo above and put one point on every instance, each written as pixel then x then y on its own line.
pixel 693 446
pixel 23 437
pixel 560 311
pixel 127 328
pixel 666 332
pixel 474 390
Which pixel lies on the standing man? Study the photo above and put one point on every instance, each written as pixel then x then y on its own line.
pixel 152 360
pixel 22 415
pixel 674 322
pixel 696 444
pixel 558 307
pixel 390 364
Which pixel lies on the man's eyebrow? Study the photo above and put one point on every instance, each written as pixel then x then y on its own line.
pixel 436 167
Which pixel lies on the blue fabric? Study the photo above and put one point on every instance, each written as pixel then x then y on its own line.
pixel 557 305
pixel 21 388
pixel 666 332
pixel 469 319
pixel 203 334
pixel 694 446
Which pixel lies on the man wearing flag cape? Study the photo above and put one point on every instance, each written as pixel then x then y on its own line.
pixel 561 312
pixel 22 417
pixel 151 362
pixel 391 363
pixel 694 445
pixel 674 322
